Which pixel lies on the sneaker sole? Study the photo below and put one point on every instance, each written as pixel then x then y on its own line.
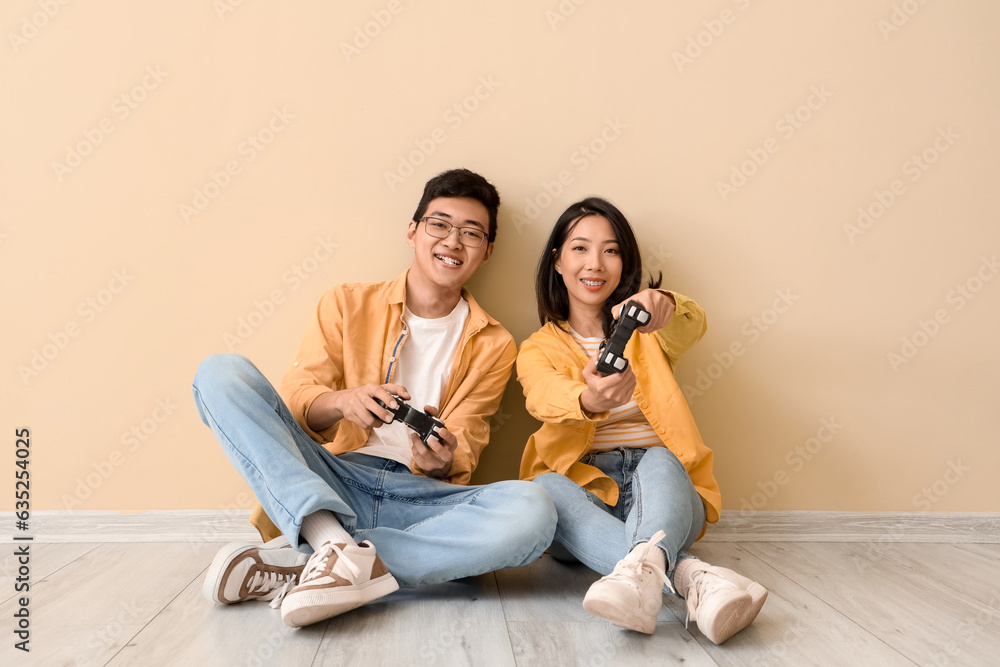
pixel 308 607
pixel 732 617
pixel 226 555
pixel 612 612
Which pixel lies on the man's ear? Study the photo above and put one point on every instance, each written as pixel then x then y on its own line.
pixel 411 231
pixel 489 253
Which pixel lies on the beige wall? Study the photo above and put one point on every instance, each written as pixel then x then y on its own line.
pixel 125 290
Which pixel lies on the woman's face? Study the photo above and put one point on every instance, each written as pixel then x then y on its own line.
pixel 590 263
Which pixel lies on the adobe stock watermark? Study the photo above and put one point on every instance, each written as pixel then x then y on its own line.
pixel 222 529
pixel 931 495
pixel 223 7
pixel 924 501
pixel 656 258
pixel 562 12
pixel 121 108
pixel 701 41
pixel 786 126
pixel 498 419
pixel 266 649
pixel 131 440
pixel 958 297
pixel 582 157
pixel 365 34
pixel 32 24
pixel 779 650
pixel 454 117
pixel 796 459
pixel 913 168
pixel 752 329
pixel 87 312
pixel 292 279
pixel 969 631
pixel 247 151
pixel 106 638
pixel 899 16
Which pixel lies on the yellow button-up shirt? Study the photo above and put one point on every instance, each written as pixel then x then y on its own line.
pixel 550 369
pixel 355 338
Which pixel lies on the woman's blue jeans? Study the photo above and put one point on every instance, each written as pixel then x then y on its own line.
pixel 425 530
pixel 655 493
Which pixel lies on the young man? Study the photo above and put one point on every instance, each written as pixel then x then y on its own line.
pixel 331 468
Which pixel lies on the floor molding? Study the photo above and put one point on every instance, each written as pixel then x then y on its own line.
pixel 734 526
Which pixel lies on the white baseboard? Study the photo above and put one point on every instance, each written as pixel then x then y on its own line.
pixel 734 526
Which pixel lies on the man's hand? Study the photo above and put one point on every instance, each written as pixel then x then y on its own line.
pixel 356 405
pixel 604 392
pixel 659 304
pixel 434 458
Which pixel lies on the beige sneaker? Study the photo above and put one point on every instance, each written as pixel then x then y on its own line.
pixel 337 578
pixel 631 596
pixel 720 601
pixel 243 571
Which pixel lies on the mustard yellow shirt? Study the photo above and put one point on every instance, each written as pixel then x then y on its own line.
pixel 354 339
pixel 550 369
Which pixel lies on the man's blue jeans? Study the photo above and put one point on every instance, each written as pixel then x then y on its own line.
pixel 426 531
pixel 655 493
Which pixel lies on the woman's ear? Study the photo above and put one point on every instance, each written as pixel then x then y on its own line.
pixel 557 265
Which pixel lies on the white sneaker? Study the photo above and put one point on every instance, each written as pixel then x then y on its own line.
pixel 631 596
pixel 337 578
pixel 720 601
pixel 243 571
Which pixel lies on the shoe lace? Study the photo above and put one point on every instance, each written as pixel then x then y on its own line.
pixel 643 559
pixel 269 582
pixel 703 584
pixel 315 567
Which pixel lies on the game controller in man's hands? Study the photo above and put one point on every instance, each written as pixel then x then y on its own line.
pixel 424 424
pixel 610 359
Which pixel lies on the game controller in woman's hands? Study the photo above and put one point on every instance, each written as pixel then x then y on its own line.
pixel 424 424
pixel 610 359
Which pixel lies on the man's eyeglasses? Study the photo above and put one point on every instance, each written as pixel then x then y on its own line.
pixel 470 237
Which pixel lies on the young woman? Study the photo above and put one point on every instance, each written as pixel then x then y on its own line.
pixel 620 454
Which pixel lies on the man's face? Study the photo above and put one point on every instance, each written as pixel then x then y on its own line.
pixel 449 262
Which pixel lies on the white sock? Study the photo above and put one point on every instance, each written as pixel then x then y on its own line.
pixel 321 527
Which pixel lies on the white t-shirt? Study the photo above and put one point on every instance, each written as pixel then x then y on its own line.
pixel 424 365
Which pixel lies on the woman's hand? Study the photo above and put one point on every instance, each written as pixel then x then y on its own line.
pixel 604 392
pixel 434 458
pixel 659 304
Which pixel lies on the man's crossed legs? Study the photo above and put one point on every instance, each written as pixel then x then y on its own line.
pixel 424 530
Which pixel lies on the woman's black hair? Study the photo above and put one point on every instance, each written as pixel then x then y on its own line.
pixel 550 290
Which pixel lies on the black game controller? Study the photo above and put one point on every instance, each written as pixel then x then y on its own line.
pixel 421 422
pixel 610 359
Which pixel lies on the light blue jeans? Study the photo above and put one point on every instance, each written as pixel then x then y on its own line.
pixel 426 531
pixel 655 493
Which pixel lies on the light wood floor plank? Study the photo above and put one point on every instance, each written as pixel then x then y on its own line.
pixel 569 643
pixel 44 560
pixel 85 611
pixel 548 590
pixel 193 631
pixel 455 623
pixel 951 565
pixel 925 620
pixel 795 626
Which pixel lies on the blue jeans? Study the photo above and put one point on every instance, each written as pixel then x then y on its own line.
pixel 426 531
pixel 655 493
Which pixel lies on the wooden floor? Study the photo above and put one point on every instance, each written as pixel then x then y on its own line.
pixel 888 603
